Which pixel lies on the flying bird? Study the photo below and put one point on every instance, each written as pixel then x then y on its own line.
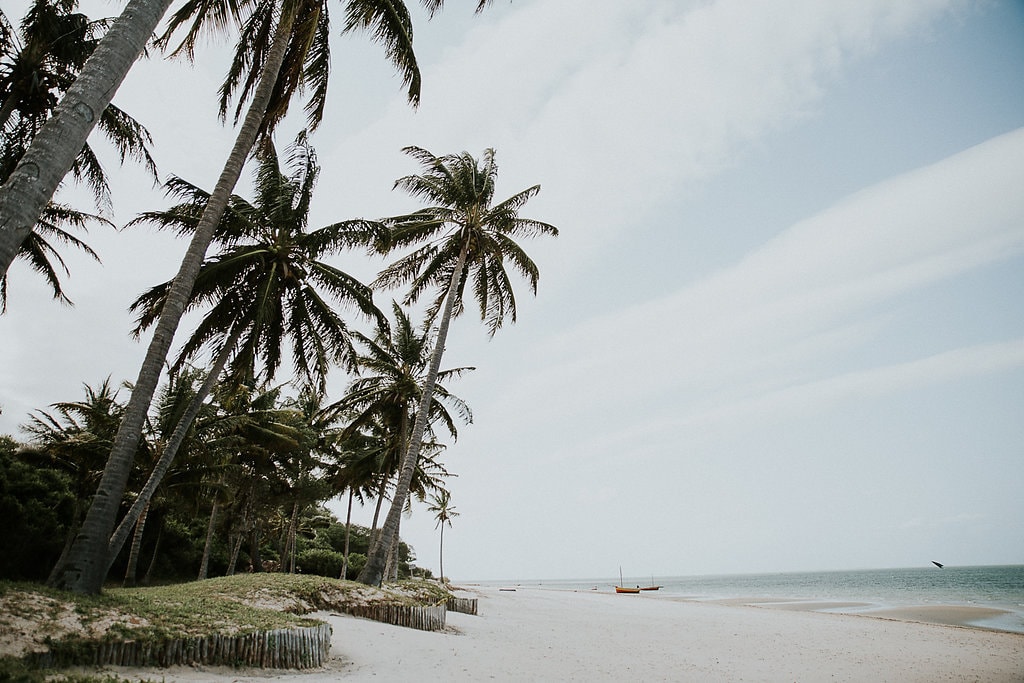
pixel 937 564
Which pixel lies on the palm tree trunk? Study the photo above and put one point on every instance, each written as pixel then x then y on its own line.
pixel 373 572
pixel 68 540
pixel 293 524
pixel 391 565
pixel 236 551
pixel 374 529
pixel 441 554
pixel 30 187
pixel 243 533
pixel 172 447
pixel 87 567
pixel 152 560
pixel 133 556
pixel 254 548
pixel 204 566
pixel 348 528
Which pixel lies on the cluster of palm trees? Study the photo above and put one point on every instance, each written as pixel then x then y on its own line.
pixel 269 294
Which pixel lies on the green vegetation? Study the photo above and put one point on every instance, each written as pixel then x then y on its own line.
pixel 66 623
pixel 37 499
pixel 215 463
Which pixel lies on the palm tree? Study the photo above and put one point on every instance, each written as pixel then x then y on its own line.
pixel 394 367
pixel 54 149
pixel 35 71
pixel 468 240
pixel 390 23
pixel 383 400
pixel 262 442
pixel 444 511
pixel 75 438
pixel 268 287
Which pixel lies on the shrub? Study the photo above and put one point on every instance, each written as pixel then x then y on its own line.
pixel 356 562
pixel 320 562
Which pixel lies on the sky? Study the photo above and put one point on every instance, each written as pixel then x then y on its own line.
pixel 782 327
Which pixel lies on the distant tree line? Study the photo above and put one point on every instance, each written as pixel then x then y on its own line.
pixel 39 501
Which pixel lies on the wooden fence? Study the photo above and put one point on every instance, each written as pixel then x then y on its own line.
pixel 462 605
pixel 422 618
pixel 297 648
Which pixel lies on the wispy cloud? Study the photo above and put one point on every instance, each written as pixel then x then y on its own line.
pixel 646 98
pixel 757 330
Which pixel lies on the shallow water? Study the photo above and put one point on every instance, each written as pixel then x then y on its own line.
pixel 997 587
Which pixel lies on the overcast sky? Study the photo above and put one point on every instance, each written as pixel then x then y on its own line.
pixel 782 327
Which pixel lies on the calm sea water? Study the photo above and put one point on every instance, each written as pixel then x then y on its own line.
pixel 1000 587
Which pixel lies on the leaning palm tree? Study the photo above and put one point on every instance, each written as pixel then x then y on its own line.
pixel 268 288
pixel 52 153
pixel 38 64
pixel 36 69
pixel 468 240
pixel 296 26
pixel 444 511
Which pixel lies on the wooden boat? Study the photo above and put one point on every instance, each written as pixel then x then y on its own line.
pixel 622 589
pixel 652 587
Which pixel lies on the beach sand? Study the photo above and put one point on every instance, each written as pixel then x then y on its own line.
pixel 548 635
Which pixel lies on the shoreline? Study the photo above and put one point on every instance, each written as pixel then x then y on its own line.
pixel 531 634
pixel 981 617
pixel 966 610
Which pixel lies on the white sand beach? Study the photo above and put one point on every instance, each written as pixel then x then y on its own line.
pixel 532 634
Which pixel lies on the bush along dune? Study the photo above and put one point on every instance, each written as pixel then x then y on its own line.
pixel 252 620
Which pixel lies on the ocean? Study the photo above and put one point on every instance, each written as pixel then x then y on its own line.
pixel 996 587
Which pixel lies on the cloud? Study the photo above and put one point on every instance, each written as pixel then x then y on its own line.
pixel 775 324
pixel 645 99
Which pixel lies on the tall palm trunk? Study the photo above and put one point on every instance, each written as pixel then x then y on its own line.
pixel 87 566
pixel 290 544
pixel 391 565
pixel 133 555
pixel 374 529
pixel 172 447
pixel 204 566
pixel 53 150
pixel 440 557
pixel 236 550
pixel 152 561
pixel 373 572
pixel 348 529
pixel 68 541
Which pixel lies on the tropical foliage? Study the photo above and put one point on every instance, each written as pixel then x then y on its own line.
pixel 271 512
pixel 444 511
pixel 218 460
pixel 463 239
pixel 38 64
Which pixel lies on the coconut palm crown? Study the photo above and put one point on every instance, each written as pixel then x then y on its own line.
pixel 269 283
pixel 462 218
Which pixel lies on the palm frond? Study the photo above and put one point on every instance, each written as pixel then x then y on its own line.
pixel 388 22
